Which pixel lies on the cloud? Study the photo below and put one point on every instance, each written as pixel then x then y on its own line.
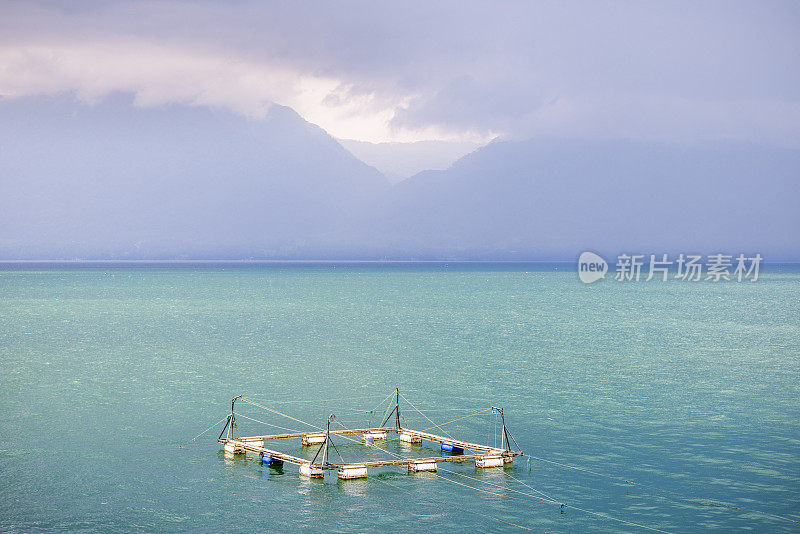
pixel 415 70
pixel 159 74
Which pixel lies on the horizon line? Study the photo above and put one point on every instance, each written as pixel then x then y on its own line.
pixel 309 261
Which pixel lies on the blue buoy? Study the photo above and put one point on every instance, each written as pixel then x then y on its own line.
pixel 449 447
pixel 272 462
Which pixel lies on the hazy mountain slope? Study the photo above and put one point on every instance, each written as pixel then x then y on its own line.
pixel 115 180
pixel 398 161
pixel 554 198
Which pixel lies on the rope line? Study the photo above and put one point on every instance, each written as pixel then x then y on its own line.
pixel 546 499
pixel 539 500
pixel 450 504
pixel 381 403
pixel 268 424
pixel 322 400
pixel 620 479
pixel 386 412
pixel 606 516
pixel 279 413
pixel 345 436
pixel 203 432
pixel 598 514
pixel 698 500
pixel 530 487
pixel 447 423
pixel 425 416
pixel 459 419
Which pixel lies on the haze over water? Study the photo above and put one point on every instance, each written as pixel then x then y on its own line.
pixel 106 370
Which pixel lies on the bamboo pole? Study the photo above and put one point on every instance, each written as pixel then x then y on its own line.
pixel 320 433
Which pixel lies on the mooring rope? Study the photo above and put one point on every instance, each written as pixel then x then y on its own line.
pixel 450 505
pixel 447 423
pixel 279 413
pixel 547 498
pixel 459 419
pixel 528 486
pixel 540 500
pixel 425 416
pixel 203 432
pixel 380 403
pixel 324 400
pixel 386 413
pixel 698 500
pixel 620 479
pixel 606 516
pixel 268 424
pixel 345 436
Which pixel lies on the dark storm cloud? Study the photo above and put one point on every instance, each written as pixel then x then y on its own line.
pixel 667 70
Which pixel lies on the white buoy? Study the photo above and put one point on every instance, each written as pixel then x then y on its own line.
pixel 353 471
pixel 410 437
pixel 312 439
pixel 233 447
pixel 311 471
pixel 489 461
pixel 374 435
pixel 421 465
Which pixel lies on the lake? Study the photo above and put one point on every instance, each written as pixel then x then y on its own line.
pixel 689 390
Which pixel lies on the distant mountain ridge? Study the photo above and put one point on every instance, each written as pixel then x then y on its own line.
pixel 540 198
pixel 115 181
pixel 398 161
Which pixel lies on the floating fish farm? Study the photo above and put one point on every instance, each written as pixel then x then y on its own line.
pixel 453 450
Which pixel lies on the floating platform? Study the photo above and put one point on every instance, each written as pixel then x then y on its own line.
pixel 484 456
pixel 491 457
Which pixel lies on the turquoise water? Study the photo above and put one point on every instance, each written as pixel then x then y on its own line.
pixel 107 370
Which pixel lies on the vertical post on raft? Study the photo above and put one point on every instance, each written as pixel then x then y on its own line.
pixel 225 428
pixel 397 408
pixel 505 432
pixel 232 420
pixel 327 441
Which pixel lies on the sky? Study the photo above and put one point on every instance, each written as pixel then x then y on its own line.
pixel 451 71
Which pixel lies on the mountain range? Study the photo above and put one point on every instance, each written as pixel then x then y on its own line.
pixel 112 180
